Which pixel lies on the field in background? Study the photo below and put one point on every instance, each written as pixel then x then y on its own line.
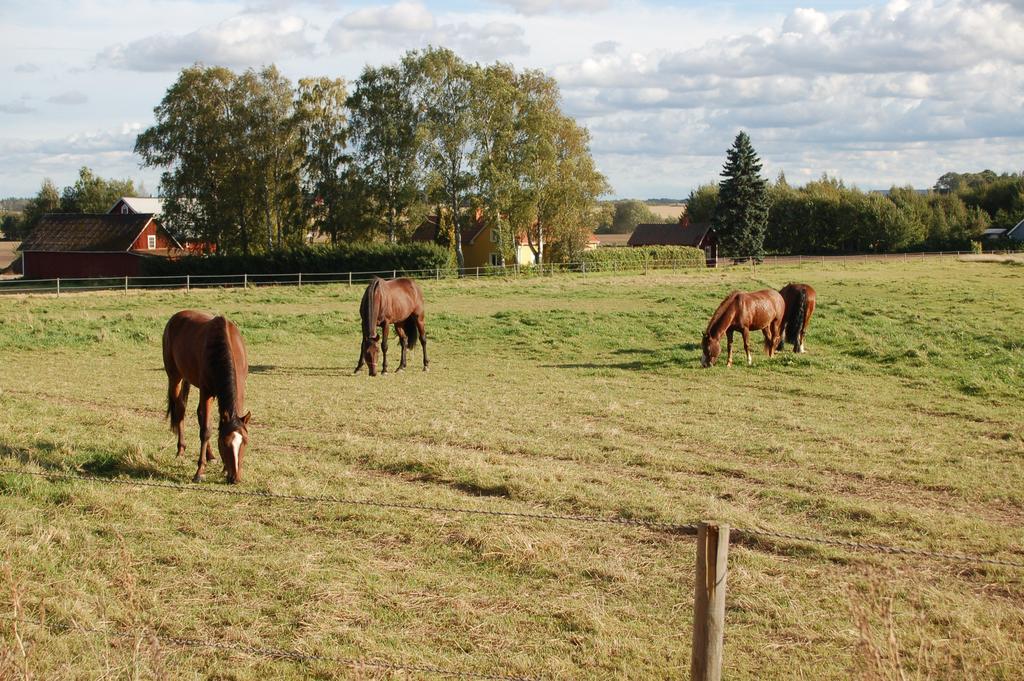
pixel 667 211
pixel 562 395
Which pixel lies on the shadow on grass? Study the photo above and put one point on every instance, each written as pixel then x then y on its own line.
pixel 276 370
pixel 650 364
pixel 47 456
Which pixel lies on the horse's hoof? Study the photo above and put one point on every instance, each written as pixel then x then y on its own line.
pixel 181 451
pixel 197 478
pixel 426 368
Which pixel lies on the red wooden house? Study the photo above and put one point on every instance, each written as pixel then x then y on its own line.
pixel 74 245
pixel 684 233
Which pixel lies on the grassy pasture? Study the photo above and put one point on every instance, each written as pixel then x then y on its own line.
pixel 565 395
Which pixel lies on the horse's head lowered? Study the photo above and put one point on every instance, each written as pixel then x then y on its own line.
pixel 711 348
pixel 371 349
pixel 232 439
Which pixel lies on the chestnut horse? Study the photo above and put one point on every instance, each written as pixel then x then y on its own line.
pixel 800 300
pixel 760 310
pixel 207 352
pixel 398 302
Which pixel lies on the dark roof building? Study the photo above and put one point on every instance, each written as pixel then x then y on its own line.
pixel 427 231
pixel 697 235
pixel 76 245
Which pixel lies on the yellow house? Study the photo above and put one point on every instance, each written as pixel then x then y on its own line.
pixel 479 243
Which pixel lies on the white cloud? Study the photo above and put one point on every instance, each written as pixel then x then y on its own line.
pixel 547 6
pixel 404 21
pixel 402 17
pixel 71 98
pixel 245 40
pixel 16 107
pixel 107 151
pixel 493 40
pixel 26 67
pixel 411 25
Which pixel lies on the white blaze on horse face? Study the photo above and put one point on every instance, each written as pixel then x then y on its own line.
pixel 236 443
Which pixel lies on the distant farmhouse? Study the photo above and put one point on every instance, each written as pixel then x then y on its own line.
pixel 114 244
pixel 479 243
pixel 697 235
pixel 1016 233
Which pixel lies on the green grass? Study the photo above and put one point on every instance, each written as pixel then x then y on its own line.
pixel 562 395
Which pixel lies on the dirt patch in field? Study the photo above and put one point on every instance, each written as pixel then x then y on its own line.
pixel 1016 258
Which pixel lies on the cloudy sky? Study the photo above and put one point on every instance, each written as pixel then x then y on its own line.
pixel 878 94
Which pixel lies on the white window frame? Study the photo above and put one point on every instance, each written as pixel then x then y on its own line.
pixel 124 209
pixel 494 235
pixel 495 259
pixel 150 242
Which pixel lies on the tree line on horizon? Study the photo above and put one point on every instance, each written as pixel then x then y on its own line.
pixel 753 216
pixel 253 163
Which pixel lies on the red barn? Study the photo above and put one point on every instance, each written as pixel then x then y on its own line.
pixel 75 245
pixel 696 234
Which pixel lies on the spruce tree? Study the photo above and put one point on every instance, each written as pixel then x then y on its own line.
pixel 741 216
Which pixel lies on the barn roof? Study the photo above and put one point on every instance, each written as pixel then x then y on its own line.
pixel 428 230
pixel 141 204
pixel 95 232
pixel 673 234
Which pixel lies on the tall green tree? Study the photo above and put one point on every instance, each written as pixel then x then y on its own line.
pixel 194 140
pixel 320 111
pixel 93 194
pixel 701 203
pixel 566 193
pixel 500 135
pixel 384 128
pixel 741 216
pixel 443 83
pixel 233 155
pixel 269 157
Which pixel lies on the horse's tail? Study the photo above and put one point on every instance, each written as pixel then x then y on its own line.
pixel 370 308
pixel 794 318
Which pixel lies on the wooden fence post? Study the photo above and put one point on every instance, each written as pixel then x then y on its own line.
pixel 245 280
pixel 349 278
pixel 188 283
pixel 58 287
pixel 709 601
pixel 126 285
pixel 300 279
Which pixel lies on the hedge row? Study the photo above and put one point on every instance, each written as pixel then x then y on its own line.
pixel 680 256
pixel 311 259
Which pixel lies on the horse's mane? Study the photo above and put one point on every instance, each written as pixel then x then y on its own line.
pixel 372 308
pixel 222 366
pixel 719 313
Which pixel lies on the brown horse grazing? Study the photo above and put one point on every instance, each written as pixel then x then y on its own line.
pixel 800 300
pixel 741 311
pixel 398 302
pixel 207 352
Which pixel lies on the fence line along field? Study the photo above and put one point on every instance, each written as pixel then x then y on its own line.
pixel 565 395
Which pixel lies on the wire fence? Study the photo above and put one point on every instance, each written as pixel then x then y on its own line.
pixel 689 529
pixel 709 603
pixel 187 282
